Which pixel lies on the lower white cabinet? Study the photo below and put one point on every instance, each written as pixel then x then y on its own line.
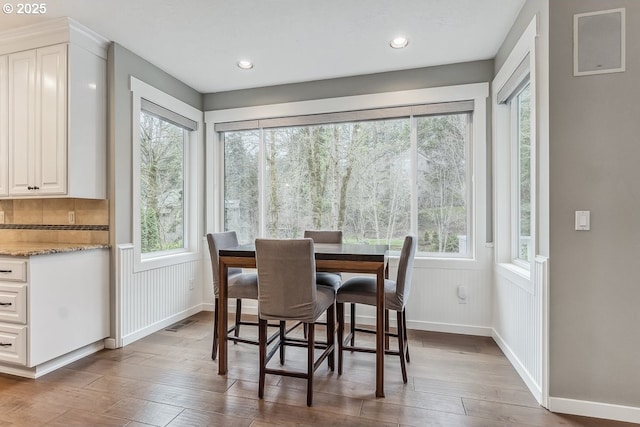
pixel 57 304
pixel 13 344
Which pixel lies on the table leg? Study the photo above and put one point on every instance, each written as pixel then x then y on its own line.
pixel 380 328
pixel 222 318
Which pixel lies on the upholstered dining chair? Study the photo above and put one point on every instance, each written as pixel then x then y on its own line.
pixel 240 286
pixel 362 290
pixel 324 278
pixel 287 291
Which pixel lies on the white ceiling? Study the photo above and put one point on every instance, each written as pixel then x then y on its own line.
pixel 200 41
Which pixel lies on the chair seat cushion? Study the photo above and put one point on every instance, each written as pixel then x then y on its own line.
pixel 325 297
pixel 332 280
pixel 243 285
pixel 362 290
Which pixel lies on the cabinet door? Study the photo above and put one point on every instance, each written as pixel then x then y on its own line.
pixel 37 143
pixel 51 120
pixel 4 124
pixel 22 118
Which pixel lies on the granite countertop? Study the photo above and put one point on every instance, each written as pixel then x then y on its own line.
pixel 29 249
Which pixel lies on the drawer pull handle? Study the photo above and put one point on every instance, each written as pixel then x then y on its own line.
pixel 6 304
pixel 6 271
pixel 5 344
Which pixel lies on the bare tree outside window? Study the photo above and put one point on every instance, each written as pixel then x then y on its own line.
pixel 354 176
pixel 161 184
pixel 442 183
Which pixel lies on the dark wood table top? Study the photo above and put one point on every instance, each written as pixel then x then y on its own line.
pixel 324 251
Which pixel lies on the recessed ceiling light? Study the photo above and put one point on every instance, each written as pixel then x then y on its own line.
pixel 399 42
pixel 245 65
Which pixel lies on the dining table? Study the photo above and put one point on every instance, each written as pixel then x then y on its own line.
pixel 330 257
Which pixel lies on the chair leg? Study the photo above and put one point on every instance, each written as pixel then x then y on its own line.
pixel 406 337
pixel 310 363
pixel 353 325
pixel 331 334
pixel 340 310
pixel 262 339
pixel 283 330
pixel 214 347
pixel 401 343
pixel 236 332
pixel 386 329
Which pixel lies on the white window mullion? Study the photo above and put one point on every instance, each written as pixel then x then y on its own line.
pixel 414 173
pixel 262 170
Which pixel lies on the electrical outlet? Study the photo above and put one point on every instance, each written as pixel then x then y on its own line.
pixel 1 217
pixel 462 294
pixel 72 217
pixel 191 285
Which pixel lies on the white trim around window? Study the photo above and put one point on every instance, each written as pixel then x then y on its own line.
pixel 521 61
pixel 192 172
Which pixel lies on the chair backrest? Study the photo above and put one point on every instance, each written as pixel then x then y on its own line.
pixel 286 279
pixel 217 241
pixel 405 268
pixel 324 236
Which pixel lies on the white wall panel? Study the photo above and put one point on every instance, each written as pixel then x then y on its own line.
pixel 152 299
pixel 518 323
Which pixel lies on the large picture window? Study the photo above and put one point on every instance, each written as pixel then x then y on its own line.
pixel 376 179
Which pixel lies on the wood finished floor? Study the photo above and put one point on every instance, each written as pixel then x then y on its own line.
pixel 168 379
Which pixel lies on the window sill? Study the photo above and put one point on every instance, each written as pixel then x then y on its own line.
pixel 164 260
pixel 517 275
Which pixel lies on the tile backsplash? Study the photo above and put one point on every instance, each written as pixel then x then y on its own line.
pixel 48 220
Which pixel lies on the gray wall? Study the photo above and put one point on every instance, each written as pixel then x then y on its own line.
pixel 594 156
pixel 445 75
pixel 122 64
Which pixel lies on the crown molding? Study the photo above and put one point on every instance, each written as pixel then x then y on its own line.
pixel 50 32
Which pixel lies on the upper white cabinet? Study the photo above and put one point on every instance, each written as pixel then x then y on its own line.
pixel 54 140
pixel 4 118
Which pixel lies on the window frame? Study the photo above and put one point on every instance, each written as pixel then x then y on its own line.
pixel 518 70
pixel 191 199
pixel 514 107
pixel 477 93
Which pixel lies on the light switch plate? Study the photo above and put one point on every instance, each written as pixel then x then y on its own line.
pixel 583 220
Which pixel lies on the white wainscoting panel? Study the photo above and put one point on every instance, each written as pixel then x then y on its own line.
pixel 518 323
pixel 433 302
pixel 153 299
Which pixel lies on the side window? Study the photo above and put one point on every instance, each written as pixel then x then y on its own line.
pixel 521 196
pixel 165 204
pixel 514 148
pixel 162 185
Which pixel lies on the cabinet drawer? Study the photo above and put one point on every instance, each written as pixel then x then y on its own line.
pixel 13 344
pixel 13 303
pixel 16 271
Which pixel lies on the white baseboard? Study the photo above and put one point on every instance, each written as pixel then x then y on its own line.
pixel 370 320
pixel 52 365
pixel 450 328
pixel 585 408
pixel 148 330
pixel 533 387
